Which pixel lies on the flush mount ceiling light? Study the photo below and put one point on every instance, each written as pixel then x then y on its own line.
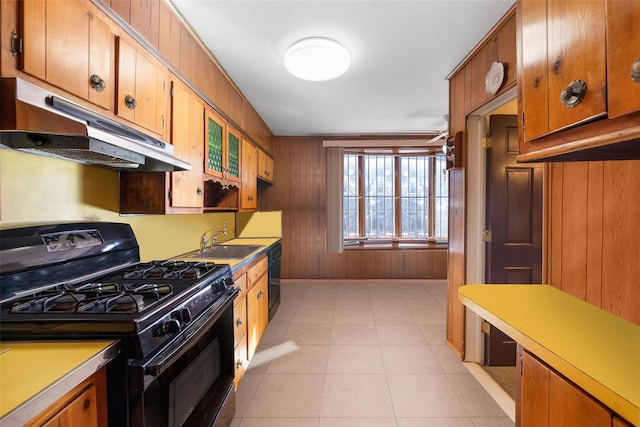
pixel 317 59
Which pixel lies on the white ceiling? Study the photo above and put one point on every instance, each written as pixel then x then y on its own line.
pixel 401 53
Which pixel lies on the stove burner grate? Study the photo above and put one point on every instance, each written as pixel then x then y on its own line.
pixel 94 298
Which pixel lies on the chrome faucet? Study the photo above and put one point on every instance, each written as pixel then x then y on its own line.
pixel 204 242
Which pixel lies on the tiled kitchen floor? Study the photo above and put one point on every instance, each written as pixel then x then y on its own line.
pixel 361 354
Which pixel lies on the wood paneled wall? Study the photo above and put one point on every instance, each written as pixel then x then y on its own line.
pixel 299 192
pixel 594 233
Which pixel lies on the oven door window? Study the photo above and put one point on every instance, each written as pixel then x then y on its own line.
pixel 191 385
pixel 187 384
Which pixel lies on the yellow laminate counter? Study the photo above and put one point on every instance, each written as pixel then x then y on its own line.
pixel 33 375
pixel 591 347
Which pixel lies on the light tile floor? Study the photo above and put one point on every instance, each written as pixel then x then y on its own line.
pixel 358 354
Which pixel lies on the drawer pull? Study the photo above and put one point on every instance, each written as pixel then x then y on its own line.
pixel 572 95
pixel 635 71
pixel 130 102
pixel 97 83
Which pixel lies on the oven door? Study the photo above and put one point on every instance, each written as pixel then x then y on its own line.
pixel 190 382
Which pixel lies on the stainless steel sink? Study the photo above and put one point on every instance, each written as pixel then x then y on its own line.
pixel 224 252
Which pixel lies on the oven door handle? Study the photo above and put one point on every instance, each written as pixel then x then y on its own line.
pixel 165 358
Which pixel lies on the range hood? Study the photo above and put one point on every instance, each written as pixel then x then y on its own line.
pixel 37 121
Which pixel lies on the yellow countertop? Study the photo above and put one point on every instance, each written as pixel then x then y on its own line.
pixel 594 349
pixel 35 374
pixel 264 242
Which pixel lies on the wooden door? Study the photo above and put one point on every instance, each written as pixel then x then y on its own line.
pixel 253 320
pixel 532 408
pixel 249 165
pixel 65 45
pixel 188 141
pixel 623 54
pixel 533 67
pixel 514 220
pixel 569 406
pixel 141 94
pixel 576 34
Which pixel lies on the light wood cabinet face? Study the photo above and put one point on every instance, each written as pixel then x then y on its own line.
pixel 66 46
pixel 564 41
pixel 84 406
pixel 265 166
pixel 623 57
pixel 249 183
pixel 187 136
pixel 535 392
pixel 141 95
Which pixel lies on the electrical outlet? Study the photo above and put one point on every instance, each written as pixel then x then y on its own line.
pixel 226 225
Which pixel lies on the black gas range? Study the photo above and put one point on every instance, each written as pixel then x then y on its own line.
pixel 174 318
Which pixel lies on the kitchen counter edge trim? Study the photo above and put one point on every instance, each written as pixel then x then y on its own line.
pixel 36 404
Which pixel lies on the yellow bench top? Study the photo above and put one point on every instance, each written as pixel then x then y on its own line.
pixel 30 370
pixel 595 349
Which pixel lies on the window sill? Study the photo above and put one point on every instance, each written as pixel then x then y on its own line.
pixel 394 246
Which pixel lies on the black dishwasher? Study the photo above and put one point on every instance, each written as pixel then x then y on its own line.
pixel 273 256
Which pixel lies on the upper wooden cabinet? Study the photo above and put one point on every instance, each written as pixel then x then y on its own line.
pixel 563 64
pixel 69 47
pixel 222 148
pixel 249 184
pixel 142 87
pixel 172 192
pixel 187 137
pixel 623 57
pixel 577 97
pixel 265 166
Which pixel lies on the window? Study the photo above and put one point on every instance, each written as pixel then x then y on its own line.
pixel 395 197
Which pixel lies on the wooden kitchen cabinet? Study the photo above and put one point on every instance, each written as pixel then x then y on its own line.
pixel 241 359
pixel 249 183
pixel 565 43
pixel 141 96
pixel 222 148
pixel 623 57
pixel 187 137
pixel 257 303
pixel 84 406
pixel 172 192
pixel 68 46
pixel 265 166
pixel 545 398
pixel 577 98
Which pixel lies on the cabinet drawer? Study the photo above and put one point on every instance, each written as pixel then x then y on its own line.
pixel 256 271
pixel 240 283
pixel 239 321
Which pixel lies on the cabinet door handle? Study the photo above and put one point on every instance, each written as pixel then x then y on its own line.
pixel 239 363
pixel 572 95
pixel 97 83
pixel 130 102
pixel 238 321
pixel 635 71
pixel 199 191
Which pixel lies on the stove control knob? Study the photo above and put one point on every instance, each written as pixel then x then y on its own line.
pixel 183 315
pixel 171 326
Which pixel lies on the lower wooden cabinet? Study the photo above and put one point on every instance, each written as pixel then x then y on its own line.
pixel 545 398
pixel 84 406
pixel 250 313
